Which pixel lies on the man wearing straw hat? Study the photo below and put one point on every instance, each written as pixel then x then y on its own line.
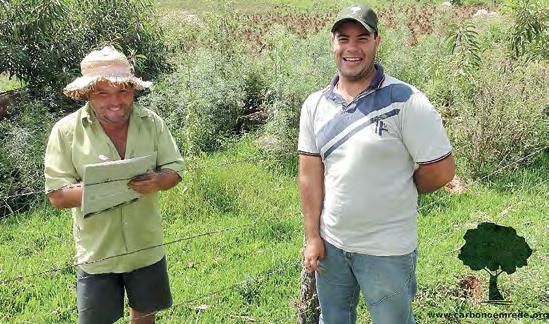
pixel 368 145
pixel 119 249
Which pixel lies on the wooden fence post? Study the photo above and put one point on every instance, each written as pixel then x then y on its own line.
pixel 308 307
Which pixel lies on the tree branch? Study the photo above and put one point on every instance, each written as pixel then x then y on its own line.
pixel 485 269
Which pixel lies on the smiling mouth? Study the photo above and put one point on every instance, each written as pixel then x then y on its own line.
pixel 352 59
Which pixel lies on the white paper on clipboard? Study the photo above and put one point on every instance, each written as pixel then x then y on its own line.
pixel 106 184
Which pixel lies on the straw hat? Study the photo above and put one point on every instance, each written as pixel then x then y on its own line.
pixel 107 64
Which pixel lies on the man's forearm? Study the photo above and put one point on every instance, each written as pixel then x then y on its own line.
pixel 168 179
pixel 430 177
pixel 311 189
pixel 66 197
pixel 311 201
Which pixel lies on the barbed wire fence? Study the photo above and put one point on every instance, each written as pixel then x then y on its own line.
pixel 254 224
pixel 257 159
pixel 498 168
pixel 192 169
pixel 508 207
pixel 261 158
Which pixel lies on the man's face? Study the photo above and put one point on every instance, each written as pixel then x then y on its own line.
pixel 112 103
pixel 354 51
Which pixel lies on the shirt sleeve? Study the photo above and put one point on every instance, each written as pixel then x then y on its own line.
pixel 306 142
pixel 422 131
pixel 59 170
pixel 168 155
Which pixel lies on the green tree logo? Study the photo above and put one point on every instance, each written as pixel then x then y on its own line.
pixel 495 249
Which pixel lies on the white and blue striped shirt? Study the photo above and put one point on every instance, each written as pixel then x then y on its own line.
pixel 370 148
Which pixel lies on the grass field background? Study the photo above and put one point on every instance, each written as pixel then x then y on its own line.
pixel 247 268
pixel 234 232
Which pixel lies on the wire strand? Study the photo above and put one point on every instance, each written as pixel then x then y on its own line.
pixel 189 170
pixel 188 238
pixel 260 278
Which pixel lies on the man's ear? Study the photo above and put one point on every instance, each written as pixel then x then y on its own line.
pixel 378 41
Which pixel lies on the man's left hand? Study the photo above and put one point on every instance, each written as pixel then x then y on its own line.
pixel 154 181
pixel 145 183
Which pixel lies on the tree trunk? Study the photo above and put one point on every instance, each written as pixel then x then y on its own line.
pixel 308 307
pixel 309 310
pixel 493 291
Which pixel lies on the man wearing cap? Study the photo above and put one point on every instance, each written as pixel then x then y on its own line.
pixel 368 144
pixel 118 249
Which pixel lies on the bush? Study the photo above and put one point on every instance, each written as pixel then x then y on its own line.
pixel 292 70
pixel 23 139
pixel 201 101
pixel 504 120
pixel 43 42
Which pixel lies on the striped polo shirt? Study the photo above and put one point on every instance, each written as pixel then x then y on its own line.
pixel 370 148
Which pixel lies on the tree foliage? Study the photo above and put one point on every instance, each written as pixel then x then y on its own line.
pixel 529 35
pixel 43 42
pixel 462 41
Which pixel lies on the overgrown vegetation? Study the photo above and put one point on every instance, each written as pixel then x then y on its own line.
pixel 245 68
pixel 248 268
pixel 529 35
pixel 233 71
pixel 465 63
pixel 43 42
pixel 22 144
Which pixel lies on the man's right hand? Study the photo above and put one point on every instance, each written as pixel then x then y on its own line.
pixel 314 252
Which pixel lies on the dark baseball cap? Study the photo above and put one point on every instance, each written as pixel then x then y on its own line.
pixel 359 13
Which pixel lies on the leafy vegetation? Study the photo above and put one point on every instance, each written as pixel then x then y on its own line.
pixel 529 34
pixel 23 137
pixel 248 267
pixel 43 42
pixel 232 61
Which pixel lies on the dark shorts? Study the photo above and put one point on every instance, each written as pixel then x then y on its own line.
pixel 100 297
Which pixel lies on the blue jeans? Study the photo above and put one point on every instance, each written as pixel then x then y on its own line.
pixel 387 282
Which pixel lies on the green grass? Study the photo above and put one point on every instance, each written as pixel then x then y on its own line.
pixel 198 7
pixel 7 84
pixel 252 268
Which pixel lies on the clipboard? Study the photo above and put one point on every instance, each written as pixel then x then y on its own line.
pixel 106 183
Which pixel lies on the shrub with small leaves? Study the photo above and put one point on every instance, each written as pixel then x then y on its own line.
pixel 43 42
pixel 529 35
pixel 23 139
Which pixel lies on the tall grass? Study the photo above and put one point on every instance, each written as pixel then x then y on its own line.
pixel 248 267
pixel 490 101
pixel 242 191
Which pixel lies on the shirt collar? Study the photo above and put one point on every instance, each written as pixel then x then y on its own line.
pixel 376 83
pixel 87 113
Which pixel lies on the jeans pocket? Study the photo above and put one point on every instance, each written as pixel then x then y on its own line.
pixel 385 278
